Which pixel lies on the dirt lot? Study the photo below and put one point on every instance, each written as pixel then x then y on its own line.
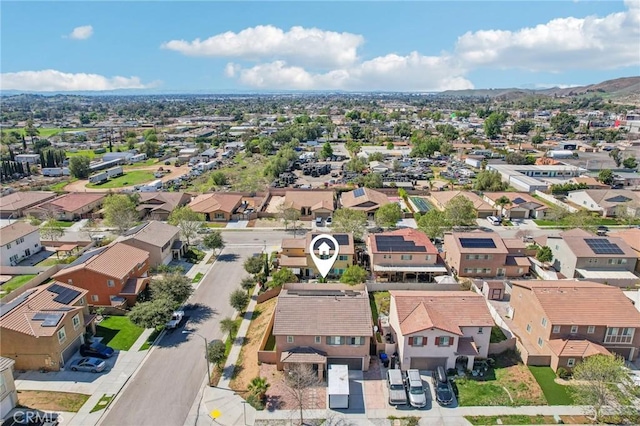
pixel 52 401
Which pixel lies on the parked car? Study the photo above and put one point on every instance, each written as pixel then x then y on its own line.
pixel 328 221
pixel 417 396
pixel 602 230
pixel 444 395
pixel 96 350
pixel 30 417
pixel 176 319
pixel 94 365
pixel 397 393
pixel 318 221
pixel 494 220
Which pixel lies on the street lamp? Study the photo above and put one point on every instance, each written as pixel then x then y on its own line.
pixel 206 353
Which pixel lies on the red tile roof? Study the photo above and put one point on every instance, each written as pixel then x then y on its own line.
pixel 116 261
pixel 419 238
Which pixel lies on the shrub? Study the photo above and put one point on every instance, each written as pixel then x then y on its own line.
pixel 563 373
pixel 255 402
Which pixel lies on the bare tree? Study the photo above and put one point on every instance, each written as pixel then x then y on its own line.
pixel 288 214
pixel 51 230
pixel 299 379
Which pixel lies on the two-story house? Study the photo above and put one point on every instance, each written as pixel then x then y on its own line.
pixel 559 323
pixel 160 240
pixel 632 238
pixel 440 328
pixel 113 275
pixel 8 393
pixel 580 254
pixel 296 255
pixel 404 255
pixel 323 324
pixel 19 241
pixel 43 327
pixel 484 255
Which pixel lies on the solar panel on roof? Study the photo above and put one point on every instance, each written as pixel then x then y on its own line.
pixel 358 192
pixel 5 308
pixel 518 201
pixel 342 239
pixel 49 319
pixel 477 243
pixel 64 294
pixel 603 246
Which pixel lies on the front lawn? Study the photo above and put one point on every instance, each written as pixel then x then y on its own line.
pixel 152 338
pixel 556 394
pixel 59 223
pixel 118 332
pixel 197 278
pixel 130 178
pixel 17 282
pixel 52 401
pixel 562 223
pixel 59 187
pixel 102 403
pixel 84 152
pixel 511 420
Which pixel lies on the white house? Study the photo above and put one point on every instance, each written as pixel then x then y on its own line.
pixel 607 202
pixel 19 241
pixel 440 328
pixel 8 394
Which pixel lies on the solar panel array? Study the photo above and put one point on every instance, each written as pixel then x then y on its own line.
pixel 5 308
pixel 603 246
pixel 477 243
pixel 49 319
pixel 518 200
pixel 321 241
pixel 342 239
pixel 358 192
pixel 316 292
pixel 64 294
pixel 397 243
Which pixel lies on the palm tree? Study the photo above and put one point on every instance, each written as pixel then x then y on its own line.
pixel 501 202
pixel 227 325
pixel 258 387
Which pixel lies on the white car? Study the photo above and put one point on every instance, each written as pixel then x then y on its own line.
pixel 494 220
pixel 176 319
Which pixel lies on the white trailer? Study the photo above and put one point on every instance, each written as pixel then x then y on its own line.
pixel 99 178
pixel 138 157
pixel 115 172
pixel 52 171
pixel 338 386
pixel 210 165
pixel 156 185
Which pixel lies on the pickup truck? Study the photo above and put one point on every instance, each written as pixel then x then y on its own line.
pixel 176 318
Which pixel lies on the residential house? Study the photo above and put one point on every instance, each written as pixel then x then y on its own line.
pixel 607 202
pixel 311 203
pixel 216 206
pixel 591 182
pixel 159 205
pixel 43 327
pixel 580 254
pixel 8 393
pixel 559 323
pixel 441 199
pixel 520 206
pixel 296 255
pixel 404 255
pixel 19 241
pixel 440 328
pixel 323 324
pixel 71 206
pixel 632 238
pixel 484 255
pixel 14 204
pixel 160 240
pixel 364 199
pixel 114 275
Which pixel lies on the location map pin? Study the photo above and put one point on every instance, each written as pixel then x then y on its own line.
pixel 324 265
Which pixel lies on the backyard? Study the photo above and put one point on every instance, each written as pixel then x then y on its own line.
pixel 118 332
pixel 16 282
pixel 130 178
pixel 555 393
pixel 52 401
pixel 379 302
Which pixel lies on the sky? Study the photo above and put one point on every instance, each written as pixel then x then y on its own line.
pixel 215 46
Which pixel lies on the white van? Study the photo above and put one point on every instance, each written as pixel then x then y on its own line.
pixel 494 220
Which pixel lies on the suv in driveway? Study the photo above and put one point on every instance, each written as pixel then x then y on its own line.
pixel 444 394
pixel 397 394
pixel 417 396
pixel 96 350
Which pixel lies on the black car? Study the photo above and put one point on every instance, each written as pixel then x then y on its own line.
pixel 28 417
pixel 96 350
pixel 444 396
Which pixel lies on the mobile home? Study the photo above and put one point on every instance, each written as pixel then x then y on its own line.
pixel 99 178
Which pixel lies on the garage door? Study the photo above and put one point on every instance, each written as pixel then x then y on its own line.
pixel 352 363
pixel 518 214
pixel 424 363
pixel 67 354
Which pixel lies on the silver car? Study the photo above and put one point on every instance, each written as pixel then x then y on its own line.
pixel 93 365
pixel 417 396
pixel 397 394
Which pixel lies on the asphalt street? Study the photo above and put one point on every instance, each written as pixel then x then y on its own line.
pixel 165 387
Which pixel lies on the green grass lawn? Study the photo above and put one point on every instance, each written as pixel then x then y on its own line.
pixel 102 403
pixel 50 261
pixel 475 393
pixel 118 332
pixel 59 187
pixel 59 223
pixel 215 225
pixel 17 282
pixel 86 152
pixel 497 335
pixel 606 221
pixel 152 338
pixel 145 163
pixel 197 278
pixel 510 420
pixel 48 132
pixel 556 394
pixel 130 178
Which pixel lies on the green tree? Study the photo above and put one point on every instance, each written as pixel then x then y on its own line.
pixel 425 147
pixel 606 176
pixel 518 158
pixel 248 283
pixel 283 276
pixel 150 148
pixel 372 180
pixel 522 127
pixel 353 221
pixel 390 145
pixel 287 214
pixel 152 314
pixel 79 166
pixel 563 123
pixel 30 130
pixel 493 124
pixel 616 155
pixel 402 129
pixel 388 215
pixel 354 274
pixel 216 352
pixel 228 326
pixel 239 300
pixel 448 132
pixel 258 386
pixel 598 380
pixel 187 220
pixel 174 287
pixel 581 219
pixel 131 143
pixel 51 231
pixel 120 212
pixel 489 180
pixel 544 254
pixel 214 241
pixel 434 223
pixel 327 151
pixel 353 146
pixel 253 265
pixel 460 211
pixel 502 201
pixel 630 162
pixel 356 165
pixel 219 178
pixel 375 156
pixel 537 139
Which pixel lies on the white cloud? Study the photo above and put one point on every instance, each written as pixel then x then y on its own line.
pixel 553 85
pixel 299 46
pixel 53 80
pixel 559 45
pixel 81 33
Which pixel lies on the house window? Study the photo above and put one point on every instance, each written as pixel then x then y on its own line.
pixel 428 257
pixel 406 257
pixel 591 329
pixel 289 339
pixel 140 265
pixel 574 329
pixel 355 341
pixel 335 340
pixel 443 341
pixel 417 341
pixel 94 297
pixel 9 246
pixel 110 283
pixel 556 329
pixel 544 322
pixel 318 340
pixel 219 216
pixel 571 362
pixel 62 336
pixel 479 330
pixel 343 257
pixel 540 341
pixel 76 321
pixel 617 261
pixel 619 335
pixel 70 281
pixel 528 328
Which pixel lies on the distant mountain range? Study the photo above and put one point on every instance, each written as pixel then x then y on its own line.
pixel 625 89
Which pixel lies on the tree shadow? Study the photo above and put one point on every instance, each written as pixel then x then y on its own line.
pixel 228 257
pixel 199 312
pixel 273 403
